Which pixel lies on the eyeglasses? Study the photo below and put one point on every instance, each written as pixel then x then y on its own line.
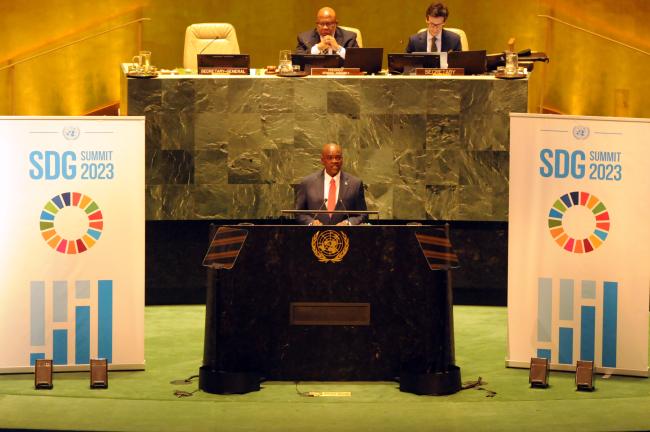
pixel 333 157
pixel 326 24
pixel 434 25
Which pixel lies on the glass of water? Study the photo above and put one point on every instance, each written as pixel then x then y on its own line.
pixel 511 63
pixel 285 65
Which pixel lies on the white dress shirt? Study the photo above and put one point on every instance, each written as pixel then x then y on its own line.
pixel 430 42
pixel 340 52
pixel 326 185
pixel 437 48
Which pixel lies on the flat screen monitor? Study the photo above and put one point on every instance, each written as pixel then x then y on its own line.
pixel 474 62
pixel 405 64
pixel 495 60
pixel 368 60
pixel 216 61
pixel 308 61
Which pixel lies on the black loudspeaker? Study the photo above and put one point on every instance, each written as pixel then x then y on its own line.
pixel 43 374
pixel 585 375
pixel 539 370
pixel 98 373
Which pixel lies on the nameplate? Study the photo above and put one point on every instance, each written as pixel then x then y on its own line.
pixel 439 71
pixel 315 313
pixel 223 71
pixel 336 71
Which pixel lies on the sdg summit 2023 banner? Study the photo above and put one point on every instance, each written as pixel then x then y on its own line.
pixel 579 242
pixel 72 231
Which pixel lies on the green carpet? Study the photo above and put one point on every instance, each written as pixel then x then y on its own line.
pixel 140 401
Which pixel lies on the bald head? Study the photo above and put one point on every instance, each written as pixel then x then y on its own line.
pixel 326 13
pixel 332 158
pixel 326 21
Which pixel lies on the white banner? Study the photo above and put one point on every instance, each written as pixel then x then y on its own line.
pixel 72 232
pixel 579 242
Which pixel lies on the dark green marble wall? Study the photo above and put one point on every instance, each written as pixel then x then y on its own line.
pixel 233 147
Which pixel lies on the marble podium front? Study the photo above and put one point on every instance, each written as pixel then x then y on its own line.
pixel 234 147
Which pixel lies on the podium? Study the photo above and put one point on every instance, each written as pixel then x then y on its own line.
pixel 329 303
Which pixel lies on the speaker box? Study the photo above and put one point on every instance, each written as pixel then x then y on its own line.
pixel 585 375
pixel 98 373
pixel 43 374
pixel 539 371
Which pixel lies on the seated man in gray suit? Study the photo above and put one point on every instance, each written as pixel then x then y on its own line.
pixel 435 38
pixel 331 189
pixel 326 38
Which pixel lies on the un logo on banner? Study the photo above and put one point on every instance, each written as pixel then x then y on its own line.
pixel 71 133
pixel 330 245
pixel 580 132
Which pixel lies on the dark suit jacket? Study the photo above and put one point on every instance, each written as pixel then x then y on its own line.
pixel 308 39
pixel 309 196
pixel 418 42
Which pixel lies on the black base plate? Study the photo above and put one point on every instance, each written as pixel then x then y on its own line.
pixel 439 383
pixel 220 382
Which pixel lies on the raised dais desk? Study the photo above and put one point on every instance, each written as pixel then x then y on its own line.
pixel 221 147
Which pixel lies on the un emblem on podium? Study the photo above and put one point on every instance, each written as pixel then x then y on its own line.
pixel 330 245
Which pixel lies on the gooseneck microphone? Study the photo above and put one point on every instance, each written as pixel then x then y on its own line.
pixel 208 44
pixel 346 211
pixel 320 208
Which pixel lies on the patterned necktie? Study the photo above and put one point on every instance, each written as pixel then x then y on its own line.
pixel 434 47
pixel 331 196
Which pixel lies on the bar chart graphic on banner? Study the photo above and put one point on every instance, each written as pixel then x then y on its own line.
pixel 586 325
pixel 91 323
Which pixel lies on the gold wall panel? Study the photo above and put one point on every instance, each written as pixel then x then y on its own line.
pixel 75 79
pixel 587 75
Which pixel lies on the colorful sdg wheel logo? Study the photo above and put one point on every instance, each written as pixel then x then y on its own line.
pixel 579 222
pixel 71 223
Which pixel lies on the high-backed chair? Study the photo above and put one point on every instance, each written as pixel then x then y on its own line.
pixel 208 38
pixel 357 31
pixel 463 37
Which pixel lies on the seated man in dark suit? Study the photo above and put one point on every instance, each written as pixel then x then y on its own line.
pixel 330 189
pixel 326 38
pixel 435 38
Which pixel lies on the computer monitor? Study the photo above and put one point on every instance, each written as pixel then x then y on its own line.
pixel 474 62
pixel 368 60
pixel 209 62
pixel 308 61
pixel 405 64
pixel 495 60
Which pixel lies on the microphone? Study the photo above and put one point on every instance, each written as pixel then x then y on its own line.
pixel 208 44
pixel 205 48
pixel 320 208
pixel 346 211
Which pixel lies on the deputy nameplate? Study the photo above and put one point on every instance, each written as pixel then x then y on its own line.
pixel 330 245
pixel 336 71
pixel 224 71
pixel 439 72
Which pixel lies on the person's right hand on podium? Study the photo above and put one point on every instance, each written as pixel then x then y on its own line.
pixel 316 222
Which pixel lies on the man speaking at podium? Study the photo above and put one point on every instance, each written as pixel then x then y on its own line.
pixel 331 189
